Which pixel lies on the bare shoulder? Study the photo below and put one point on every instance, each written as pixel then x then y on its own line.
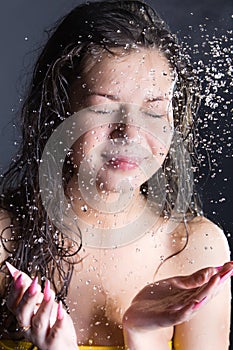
pixel 207 234
pixel 207 244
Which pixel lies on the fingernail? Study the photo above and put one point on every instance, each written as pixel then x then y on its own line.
pixel 47 291
pixel 219 267
pixel 60 311
pixel 19 282
pixel 11 269
pixel 225 276
pixel 199 303
pixel 33 287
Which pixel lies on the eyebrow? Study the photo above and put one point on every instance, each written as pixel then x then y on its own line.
pixel 116 98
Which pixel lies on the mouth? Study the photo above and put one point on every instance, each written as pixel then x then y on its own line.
pixel 125 158
pixel 124 163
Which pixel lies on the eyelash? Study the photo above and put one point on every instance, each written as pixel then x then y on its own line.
pixel 104 112
pixel 153 115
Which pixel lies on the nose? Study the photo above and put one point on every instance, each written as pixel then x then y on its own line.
pixel 123 127
pixel 124 131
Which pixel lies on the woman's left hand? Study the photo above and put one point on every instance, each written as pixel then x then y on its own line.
pixel 174 300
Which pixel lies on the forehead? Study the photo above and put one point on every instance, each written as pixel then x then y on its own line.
pixel 145 69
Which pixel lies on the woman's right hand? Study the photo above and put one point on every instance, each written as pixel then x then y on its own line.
pixel 42 321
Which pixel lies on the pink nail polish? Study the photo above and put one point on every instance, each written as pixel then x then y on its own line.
pixel 225 276
pixel 11 269
pixel 219 267
pixel 60 311
pixel 199 303
pixel 47 291
pixel 33 287
pixel 19 282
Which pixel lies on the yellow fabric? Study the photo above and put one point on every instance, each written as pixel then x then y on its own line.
pixel 87 347
pixel 19 345
pixel 22 345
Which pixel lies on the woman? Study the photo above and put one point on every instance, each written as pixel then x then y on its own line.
pixel 104 173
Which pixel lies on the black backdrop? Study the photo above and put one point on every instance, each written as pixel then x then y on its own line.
pixel 22 32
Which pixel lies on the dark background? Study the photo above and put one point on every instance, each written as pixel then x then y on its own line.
pixel 22 32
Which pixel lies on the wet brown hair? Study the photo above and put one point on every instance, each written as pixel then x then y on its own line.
pixel 39 248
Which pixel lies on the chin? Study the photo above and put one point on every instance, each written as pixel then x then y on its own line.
pixel 117 181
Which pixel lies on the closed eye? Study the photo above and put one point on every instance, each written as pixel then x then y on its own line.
pixel 153 115
pixel 101 111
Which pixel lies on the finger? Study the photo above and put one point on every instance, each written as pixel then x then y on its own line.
pixel 225 271
pixel 21 282
pixel 59 323
pixel 197 279
pixel 202 276
pixel 208 291
pixel 186 312
pixel 59 329
pixel 198 304
pixel 182 314
pixel 15 273
pixel 213 288
pixel 16 293
pixel 27 305
pixel 42 319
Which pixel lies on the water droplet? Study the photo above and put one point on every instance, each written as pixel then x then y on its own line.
pixel 84 207
pixel 92 181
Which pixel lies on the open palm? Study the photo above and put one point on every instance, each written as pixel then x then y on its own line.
pixel 174 300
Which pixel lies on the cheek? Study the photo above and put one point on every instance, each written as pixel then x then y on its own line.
pixel 157 146
pixel 88 142
pixel 78 151
pixel 159 139
pixel 170 115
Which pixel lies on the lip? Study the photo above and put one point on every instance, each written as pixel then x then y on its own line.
pixel 124 163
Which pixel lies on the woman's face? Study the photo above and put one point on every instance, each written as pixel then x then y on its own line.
pixel 127 100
